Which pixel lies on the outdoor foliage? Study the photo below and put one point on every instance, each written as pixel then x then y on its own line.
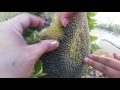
pixel 92 25
pixel 112 28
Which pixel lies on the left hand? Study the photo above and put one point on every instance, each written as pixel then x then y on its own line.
pixel 65 17
pixel 108 66
pixel 17 59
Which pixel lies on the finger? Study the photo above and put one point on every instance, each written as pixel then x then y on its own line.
pixel 103 68
pixel 26 20
pixel 65 17
pixel 35 51
pixel 113 63
pixel 116 56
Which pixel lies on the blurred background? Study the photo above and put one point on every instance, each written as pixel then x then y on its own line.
pixel 107 28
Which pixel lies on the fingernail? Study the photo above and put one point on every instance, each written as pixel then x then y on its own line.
pixel 90 56
pixel 65 22
pixel 39 29
pixel 54 44
pixel 86 60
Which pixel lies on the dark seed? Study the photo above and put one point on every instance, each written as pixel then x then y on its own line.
pixel 39 29
pixel 48 21
pixel 46 38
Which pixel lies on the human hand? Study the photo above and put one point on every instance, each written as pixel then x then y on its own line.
pixel 65 17
pixel 108 66
pixel 17 59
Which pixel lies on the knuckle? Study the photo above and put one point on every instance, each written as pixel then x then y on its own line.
pixel 106 61
pixel 92 63
pixel 103 68
pixel 95 57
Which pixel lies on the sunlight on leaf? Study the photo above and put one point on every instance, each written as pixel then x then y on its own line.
pixel 91 21
pixel 38 70
pixel 93 38
pixel 93 48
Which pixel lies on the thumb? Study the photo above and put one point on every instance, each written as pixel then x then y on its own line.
pixel 35 51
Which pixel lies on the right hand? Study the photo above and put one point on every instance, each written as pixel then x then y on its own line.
pixel 108 66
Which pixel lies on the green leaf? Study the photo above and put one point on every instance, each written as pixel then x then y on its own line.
pixel 93 48
pixel 91 27
pixel 27 32
pixel 38 70
pixel 91 21
pixel 41 75
pixel 29 40
pixel 35 38
pixel 38 67
pixel 32 39
pixel 93 38
pixel 91 14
